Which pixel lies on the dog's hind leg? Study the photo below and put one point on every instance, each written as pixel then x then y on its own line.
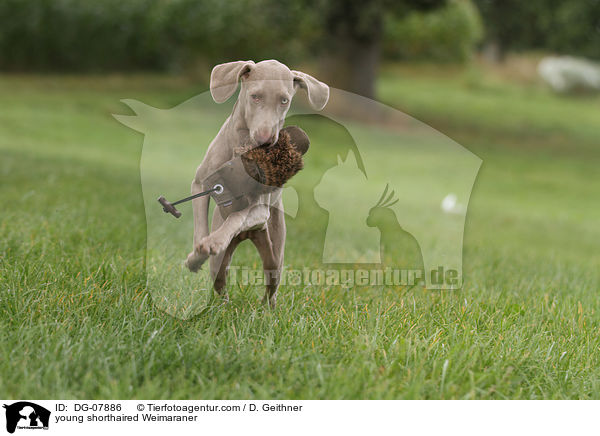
pixel 219 263
pixel 219 266
pixel 270 244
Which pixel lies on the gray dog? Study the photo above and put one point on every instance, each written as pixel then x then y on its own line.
pixel 267 89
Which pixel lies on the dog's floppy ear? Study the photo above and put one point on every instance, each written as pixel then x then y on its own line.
pixel 318 92
pixel 224 79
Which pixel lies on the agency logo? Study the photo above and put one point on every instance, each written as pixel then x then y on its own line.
pixel 25 415
pixel 380 191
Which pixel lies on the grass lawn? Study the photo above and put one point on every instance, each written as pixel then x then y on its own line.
pixel 76 320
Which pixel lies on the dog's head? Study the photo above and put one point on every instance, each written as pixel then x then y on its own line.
pixel 266 93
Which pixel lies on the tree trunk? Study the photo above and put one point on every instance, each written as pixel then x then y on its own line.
pixel 351 45
pixel 352 65
pixel 493 51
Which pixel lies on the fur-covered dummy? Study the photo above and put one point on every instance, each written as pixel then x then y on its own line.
pixel 257 170
pixel 275 164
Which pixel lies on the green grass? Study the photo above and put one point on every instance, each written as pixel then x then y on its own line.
pixel 76 320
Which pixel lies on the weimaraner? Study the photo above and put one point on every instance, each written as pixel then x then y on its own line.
pixel 267 89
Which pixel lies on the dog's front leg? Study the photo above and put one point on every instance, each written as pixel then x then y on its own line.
pixel 234 224
pixel 200 207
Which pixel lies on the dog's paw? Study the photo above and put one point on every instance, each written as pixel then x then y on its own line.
pixel 194 261
pixel 210 245
pixel 270 301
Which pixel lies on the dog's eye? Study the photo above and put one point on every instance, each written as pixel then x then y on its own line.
pixel 255 97
pixel 284 100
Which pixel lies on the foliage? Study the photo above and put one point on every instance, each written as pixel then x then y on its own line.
pixel 218 31
pixel 105 35
pixel 447 34
pixel 362 20
pixel 567 27
pixel 143 34
pixel 80 35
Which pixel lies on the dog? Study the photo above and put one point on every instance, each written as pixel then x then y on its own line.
pixel 267 89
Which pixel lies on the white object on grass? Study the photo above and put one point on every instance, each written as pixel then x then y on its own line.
pixel 450 204
pixel 566 73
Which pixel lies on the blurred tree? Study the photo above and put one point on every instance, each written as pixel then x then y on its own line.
pixel 75 35
pixel 579 24
pixel 447 34
pixel 566 27
pixel 351 44
pixel 508 24
pixel 221 31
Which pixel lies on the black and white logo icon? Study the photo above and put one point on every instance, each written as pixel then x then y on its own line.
pixel 26 415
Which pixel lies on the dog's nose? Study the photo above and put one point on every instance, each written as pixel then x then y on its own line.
pixel 263 136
